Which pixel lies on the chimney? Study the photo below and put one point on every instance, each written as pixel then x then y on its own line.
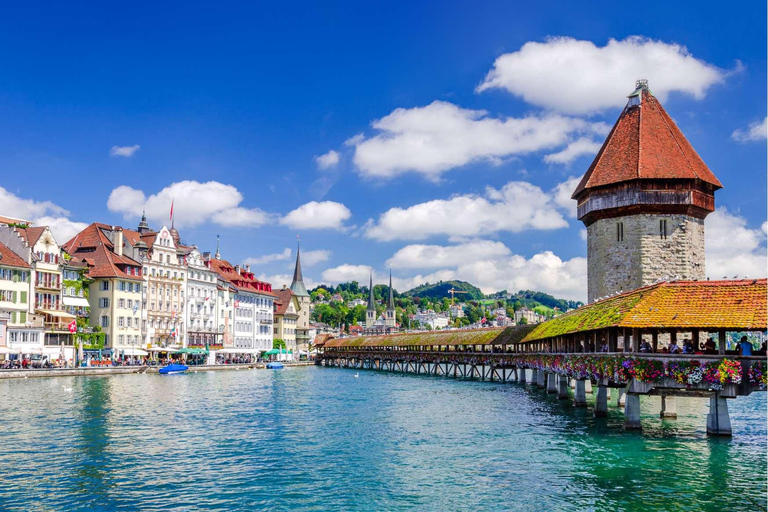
pixel 284 287
pixel 119 241
pixel 237 269
pixel 248 268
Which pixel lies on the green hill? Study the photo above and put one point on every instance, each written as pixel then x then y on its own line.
pixel 440 290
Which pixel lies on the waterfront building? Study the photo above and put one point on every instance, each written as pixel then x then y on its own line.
pixel 300 291
pixel 286 317
pixel 165 275
pixel 356 302
pixel 252 308
pixel 202 302
pixel 456 311
pixel 115 285
pixel 21 329
pixel 75 288
pixel 643 201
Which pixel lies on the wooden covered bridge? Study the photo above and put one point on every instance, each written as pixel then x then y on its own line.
pixel 620 342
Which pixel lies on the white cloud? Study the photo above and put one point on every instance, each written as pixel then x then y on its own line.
pixel 432 139
pixel 311 258
pixel 577 77
pixel 317 215
pixel 328 160
pixel 492 268
pixel 562 195
pixel 40 213
pixel 267 258
pixel 126 151
pixel 734 248
pixel 577 148
pixel 756 131
pixel 193 203
pixel 437 256
pixel 515 207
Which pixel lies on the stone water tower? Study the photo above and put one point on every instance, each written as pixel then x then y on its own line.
pixel 643 201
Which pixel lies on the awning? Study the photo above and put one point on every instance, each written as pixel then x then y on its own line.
pixel 79 302
pixel 60 314
pixel 161 349
pixel 129 351
pixel 193 351
pixel 235 351
pixel 7 350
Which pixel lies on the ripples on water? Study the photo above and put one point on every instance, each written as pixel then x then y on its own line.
pixel 321 439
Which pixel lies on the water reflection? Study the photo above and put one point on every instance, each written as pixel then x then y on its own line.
pixel 93 439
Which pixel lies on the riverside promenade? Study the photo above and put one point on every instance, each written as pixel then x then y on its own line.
pixel 89 371
pixel 621 342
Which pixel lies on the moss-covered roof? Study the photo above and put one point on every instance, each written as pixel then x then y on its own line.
pixel 733 305
pixel 492 336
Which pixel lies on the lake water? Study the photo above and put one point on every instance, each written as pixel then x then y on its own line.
pixel 322 439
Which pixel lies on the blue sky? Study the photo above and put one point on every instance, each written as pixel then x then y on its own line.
pixel 227 109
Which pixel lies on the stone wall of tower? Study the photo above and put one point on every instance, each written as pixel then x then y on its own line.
pixel 643 256
pixel 303 321
pixel 370 318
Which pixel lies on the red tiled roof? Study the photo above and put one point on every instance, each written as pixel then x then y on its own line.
pixel 645 144
pixel 244 281
pixel 10 258
pixel 12 220
pixel 108 265
pixel 284 297
pixel 732 305
pixel 31 234
pixel 94 247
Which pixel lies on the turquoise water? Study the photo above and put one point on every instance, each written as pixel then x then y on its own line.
pixel 323 439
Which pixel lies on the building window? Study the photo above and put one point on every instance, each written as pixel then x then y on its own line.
pixel 104 302
pixel 105 286
pixel 619 231
pixel 121 303
pixel 663 229
pixel 104 321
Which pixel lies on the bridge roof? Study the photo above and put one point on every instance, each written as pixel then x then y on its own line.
pixel 492 336
pixel 736 305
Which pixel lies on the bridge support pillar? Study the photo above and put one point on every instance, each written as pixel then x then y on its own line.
pixel 552 383
pixel 668 407
pixel 540 378
pixel 535 377
pixel 562 387
pixel 588 386
pixel 620 401
pixel 601 401
pixel 632 412
pixel 579 395
pixel 718 419
pixel 521 375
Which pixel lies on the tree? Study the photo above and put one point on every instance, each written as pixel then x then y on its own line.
pixel 522 321
pixel 279 344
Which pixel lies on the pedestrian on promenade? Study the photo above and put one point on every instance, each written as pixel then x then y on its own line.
pixel 673 347
pixel 745 347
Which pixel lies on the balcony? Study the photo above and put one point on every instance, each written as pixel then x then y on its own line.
pixel 48 285
pixel 49 305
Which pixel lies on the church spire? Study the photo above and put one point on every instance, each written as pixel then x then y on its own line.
pixel 297 286
pixel 371 303
pixel 391 301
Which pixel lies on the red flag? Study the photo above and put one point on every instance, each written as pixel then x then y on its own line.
pixel 171 209
pixel 72 326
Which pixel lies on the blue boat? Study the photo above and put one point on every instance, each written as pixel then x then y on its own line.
pixel 275 365
pixel 173 368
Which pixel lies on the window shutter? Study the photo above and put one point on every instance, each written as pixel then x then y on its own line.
pixel 14 296
pixel 24 297
pixel 23 315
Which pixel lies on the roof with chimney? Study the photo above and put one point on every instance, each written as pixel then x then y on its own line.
pixel 283 301
pixel 297 285
pixel 645 144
